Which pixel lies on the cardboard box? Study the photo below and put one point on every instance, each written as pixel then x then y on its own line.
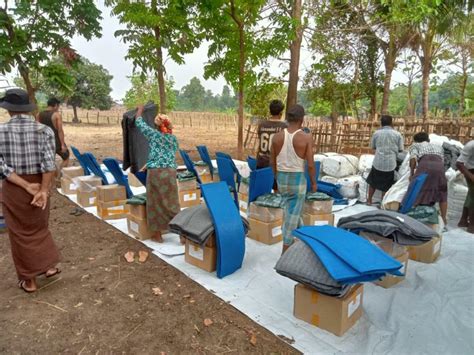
pixel 318 207
pixel 392 206
pixel 189 185
pixel 133 181
pixel 138 228
pixel 110 193
pixel 426 253
pixel 265 232
pixel 243 202
pixel 318 219
pixel 391 280
pixel 206 178
pixel 71 172
pixel 244 188
pixel 264 214
pixel 112 209
pixel 387 245
pixel 88 183
pixel 86 199
pixel 138 211
pixel 203 257
pixel 336 315
pixel 189 198
pixel 68 187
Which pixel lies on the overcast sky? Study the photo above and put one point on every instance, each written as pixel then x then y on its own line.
pixel 110 52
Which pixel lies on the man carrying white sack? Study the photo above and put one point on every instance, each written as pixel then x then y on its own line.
pixel 387 143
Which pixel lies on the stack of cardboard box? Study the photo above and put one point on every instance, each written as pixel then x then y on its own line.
pixel 68 187
pixel 204 257
pixel 133 181
pixel 393 249
pixel 429 252
pixel 87 190
pixel 318 213
pixel 265 223
pixel 244 196
pixel 334 314
pixel 137 222
pixel 112 202
pixel 204 173
pixel 189 194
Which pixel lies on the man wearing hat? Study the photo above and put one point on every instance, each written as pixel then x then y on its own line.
pixel 27 150
pixel 291 150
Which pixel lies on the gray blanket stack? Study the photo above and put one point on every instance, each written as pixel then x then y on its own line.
pixel 195 223
pixel 401 228
pixel 301 264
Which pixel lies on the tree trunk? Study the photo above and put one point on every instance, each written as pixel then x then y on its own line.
pixel 389 66
pixel 334 116
pixel 295 51
pixel 25 75
pixel 426 62
pixel 464 77
pixel 160 73
pixel 410 105
pixel 240 138
pixel 75 119
pixel 373 104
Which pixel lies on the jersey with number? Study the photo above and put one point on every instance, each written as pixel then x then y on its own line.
pixel 266 131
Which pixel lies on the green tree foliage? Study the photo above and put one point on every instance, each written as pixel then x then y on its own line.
pixel 195 95
pixel 145 90
pixel 238 44
pixel 154 26
pixel 262 92
pixel 33 31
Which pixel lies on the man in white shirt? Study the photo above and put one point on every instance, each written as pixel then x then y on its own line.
pixel 465 164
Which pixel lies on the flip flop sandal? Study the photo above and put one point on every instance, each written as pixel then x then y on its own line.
pixel 57 272
pixel 21 284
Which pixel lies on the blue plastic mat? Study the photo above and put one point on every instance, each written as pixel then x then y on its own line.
pixel 80 159
pixel 141 176
pixel 330 189
pixel 317 165
pixel 234 167
pixel 206 158
pixel 94 167
pixel 347 257
pixel 252 162
pixel 227 175
pixel 114 168
pixel 189 165
pixel 229 229
pixel 261 183
pixel 412 194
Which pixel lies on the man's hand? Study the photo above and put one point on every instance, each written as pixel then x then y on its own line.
pixel 40 199
pixel 63 148
pixel 140 109
pixel 314 187
pixel 33 189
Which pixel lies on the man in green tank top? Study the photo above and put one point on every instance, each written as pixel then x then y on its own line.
pixel 52 118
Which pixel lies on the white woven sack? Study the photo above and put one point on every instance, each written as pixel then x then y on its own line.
pixel 341 165
pixel 365 162
pixel 350 186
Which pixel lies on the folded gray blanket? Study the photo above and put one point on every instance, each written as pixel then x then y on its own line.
pixel 401 228
pixel 301 264
pixel 195 223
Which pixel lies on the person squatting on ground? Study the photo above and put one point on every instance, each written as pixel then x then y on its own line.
pixel 52 118
pixel 291 149
pixel 27 162
pixel 428 158
pixel 387 143
pixel 161 186
pixel 465 164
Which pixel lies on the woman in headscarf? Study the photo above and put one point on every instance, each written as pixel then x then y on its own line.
pixel 161 186
pixel 428 158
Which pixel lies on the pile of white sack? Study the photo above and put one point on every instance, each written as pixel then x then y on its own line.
pixel 343 170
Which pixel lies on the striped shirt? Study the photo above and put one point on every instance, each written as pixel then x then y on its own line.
pixel 26 147
pixel 387 143
pixel 418 150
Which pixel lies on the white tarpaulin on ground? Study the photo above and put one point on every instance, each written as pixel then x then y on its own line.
pixel 431 312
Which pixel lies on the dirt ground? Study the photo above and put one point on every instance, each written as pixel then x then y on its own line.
pixel 102 304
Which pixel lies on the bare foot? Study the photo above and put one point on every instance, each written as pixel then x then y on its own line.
pixel 462 224
pixel 142 256
pixel 182 240
pixel 129 256
pixel 28 285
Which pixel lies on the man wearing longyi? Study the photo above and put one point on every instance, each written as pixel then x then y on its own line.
pixel 27 150
pixel 291 150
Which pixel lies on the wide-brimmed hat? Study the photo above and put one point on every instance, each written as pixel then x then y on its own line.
pixel 17 100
